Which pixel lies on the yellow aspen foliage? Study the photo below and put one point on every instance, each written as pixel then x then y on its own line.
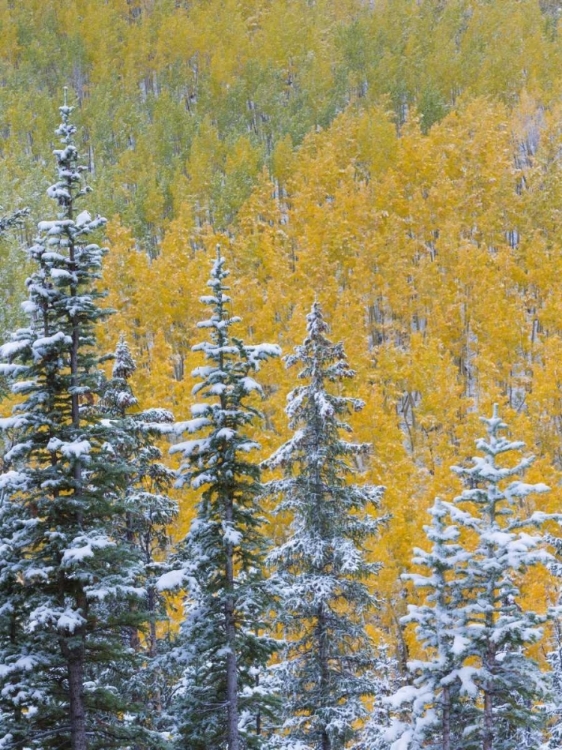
pixel 123 269
pixel 10 44
pixel 418 248
pixel 398 161
pixel 503 69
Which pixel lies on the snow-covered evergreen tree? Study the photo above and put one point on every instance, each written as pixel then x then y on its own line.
pixel 553 707
pixel 223 644
pixel 385 679
pixel 500 630
pixel 7 222
pixel 149 509
pixel 479 678
pixel 321 573
pixel 61 647
pixel 12 220
pixel 149 512
pixel 439 700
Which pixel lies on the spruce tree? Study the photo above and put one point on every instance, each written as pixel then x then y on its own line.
pixel 223 645
pixel 439 699
pixel 321 573
pixel 7 222
pixel 149 512
pixel 479 688
pixel 553 707
pixel 63 572
pixel 385 679
pixel 15 219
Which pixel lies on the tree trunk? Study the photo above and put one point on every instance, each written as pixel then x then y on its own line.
pixel 133 635
pixel 232 698
pixel 490 654
pixel 446 718
pixel 233 739
pixel 152 639
pixel 488 736
pixel 323 659
pixel 72 649
pixel 77 708
pixel 75 657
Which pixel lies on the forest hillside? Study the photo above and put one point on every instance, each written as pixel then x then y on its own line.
pixel 394 164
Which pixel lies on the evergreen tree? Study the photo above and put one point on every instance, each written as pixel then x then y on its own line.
pixel 478 688
pixel 385 680
pixel 320 571
pixel 149 512
pixel 12 220
pixel 440 709
pixel 63 574
pixel 223 647
pixel 553 707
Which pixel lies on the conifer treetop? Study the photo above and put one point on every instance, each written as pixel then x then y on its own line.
pixel 226 382
pixel 322 359
pixel 124 366
pixel 485 470
pixel 318 415
pixel 68 266
pixel 221 344
pixel 69 170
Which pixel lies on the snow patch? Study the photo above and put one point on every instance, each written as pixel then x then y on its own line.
pixel 171 580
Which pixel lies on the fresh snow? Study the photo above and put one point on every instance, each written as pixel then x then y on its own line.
pixel 173 579
pixel 74 449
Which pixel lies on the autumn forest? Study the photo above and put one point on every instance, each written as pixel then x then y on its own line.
pixel 394 164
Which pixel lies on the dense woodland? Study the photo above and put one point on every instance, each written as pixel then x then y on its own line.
pixel 382 174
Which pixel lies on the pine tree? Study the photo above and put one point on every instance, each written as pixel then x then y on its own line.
pixel 554 706
pixel 7 222
pixel 63 575
pixel 223 646
pixel 320 571
pixel 510 681
pixel 478 688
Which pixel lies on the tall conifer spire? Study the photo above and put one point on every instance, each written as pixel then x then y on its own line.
pixel 478 687
pixel 61 647
pixel 320 572
pixel 223 645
